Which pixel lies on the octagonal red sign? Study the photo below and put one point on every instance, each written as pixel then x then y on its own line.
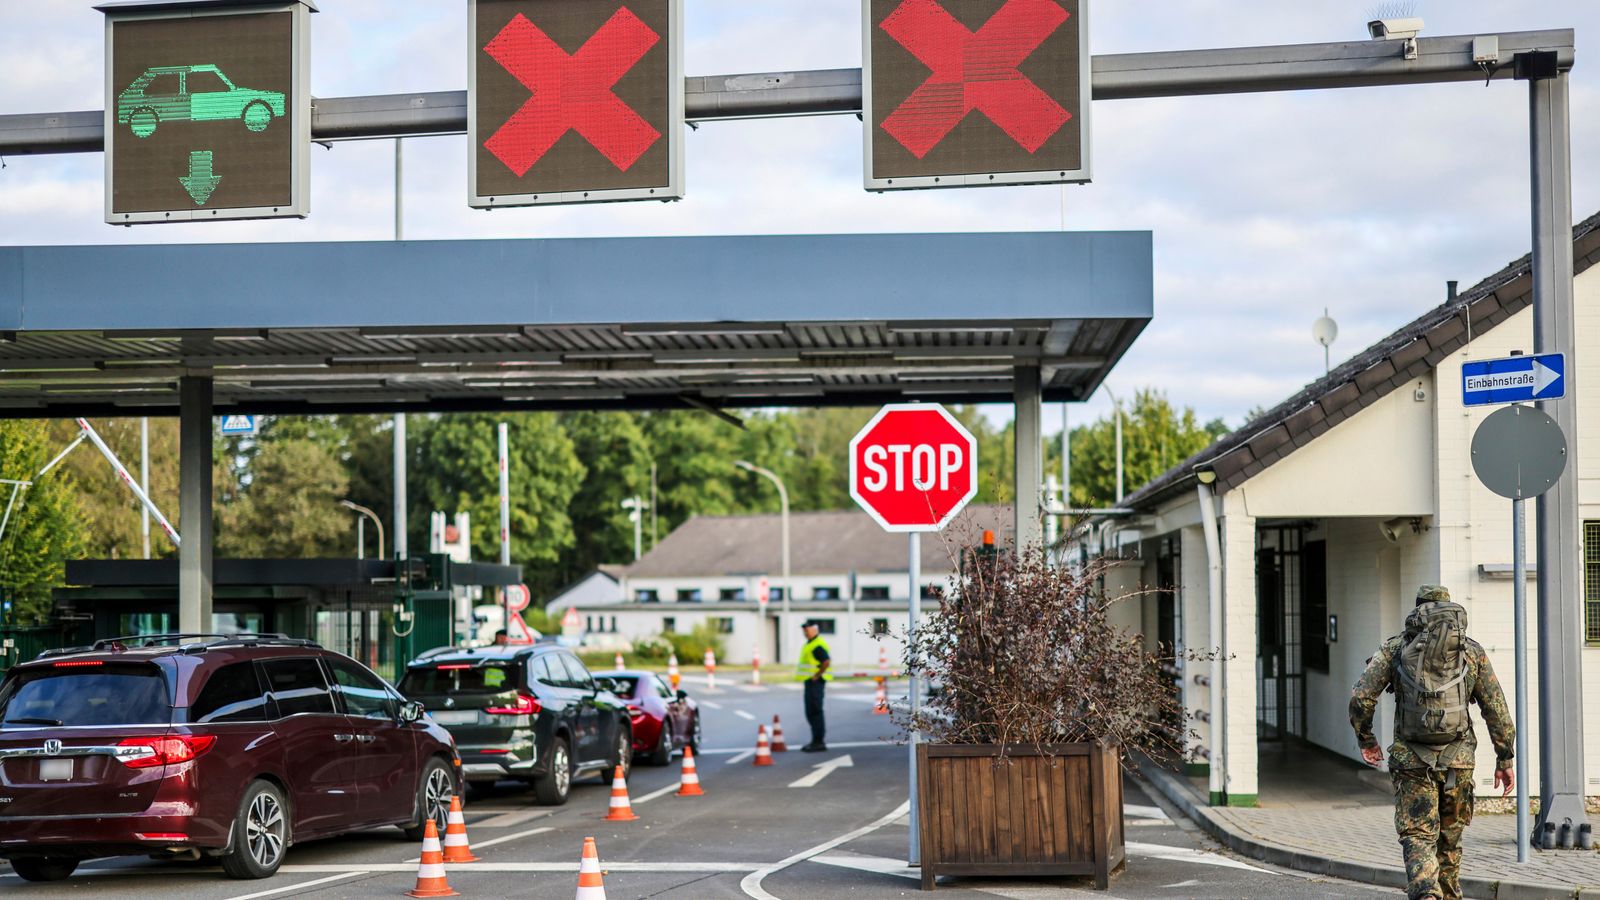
pixel 913 467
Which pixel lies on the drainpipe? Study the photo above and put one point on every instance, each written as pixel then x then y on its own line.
pixel 1219 721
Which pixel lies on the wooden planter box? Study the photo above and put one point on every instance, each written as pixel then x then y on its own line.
pixel 1056 812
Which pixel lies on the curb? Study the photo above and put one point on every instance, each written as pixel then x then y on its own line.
pixel 1182 796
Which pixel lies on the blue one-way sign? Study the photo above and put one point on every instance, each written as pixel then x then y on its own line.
pixel 1515 379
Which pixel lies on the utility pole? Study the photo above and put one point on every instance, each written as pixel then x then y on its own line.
pixel 783 506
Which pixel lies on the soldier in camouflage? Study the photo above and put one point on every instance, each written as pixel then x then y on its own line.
pixel 1433 783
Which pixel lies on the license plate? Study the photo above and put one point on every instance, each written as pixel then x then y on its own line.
pixel 55 770
pixel 455 716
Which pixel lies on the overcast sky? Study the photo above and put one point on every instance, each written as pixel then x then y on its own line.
pixel 1265 208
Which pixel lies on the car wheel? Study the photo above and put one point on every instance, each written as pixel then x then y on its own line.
pixel 662 755
pixel 434 790
pixel 257 116
pixel 697 736
pixel 143 122
pixel 552 788
pixel 260 833
pixel 38 868
pixel 621 754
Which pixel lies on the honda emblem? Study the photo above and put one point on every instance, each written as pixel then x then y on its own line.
pixel 52 747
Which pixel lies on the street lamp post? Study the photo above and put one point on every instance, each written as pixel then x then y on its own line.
pixel 636 507
pixel 783 500
pixel 1116 405
pixel 361 537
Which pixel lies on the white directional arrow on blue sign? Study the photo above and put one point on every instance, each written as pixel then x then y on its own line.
pixel 1515 379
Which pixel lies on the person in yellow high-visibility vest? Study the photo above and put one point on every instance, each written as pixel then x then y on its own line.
pixel 812 668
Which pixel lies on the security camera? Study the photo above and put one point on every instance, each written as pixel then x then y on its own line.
pixel 1394 29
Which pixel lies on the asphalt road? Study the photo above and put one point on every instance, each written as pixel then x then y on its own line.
pixel 754 834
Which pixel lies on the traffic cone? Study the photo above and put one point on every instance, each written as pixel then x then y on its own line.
pixel 778 744
pixel 430 871
pixel 456 848
pixel 689 784
pixel 883 658
pixel 591 886
pixel 763 749
pixel 880 706
pixel 620 810
pixel 672 671
pixel 619 665
pixel 755 666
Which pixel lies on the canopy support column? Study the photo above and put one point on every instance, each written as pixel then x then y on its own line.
pixel 1029 459
pixel 194 504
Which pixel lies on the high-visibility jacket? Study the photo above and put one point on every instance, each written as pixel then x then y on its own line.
pixel 807 666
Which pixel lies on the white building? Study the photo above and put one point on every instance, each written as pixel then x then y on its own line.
pixel 1335 505
pixel 846 572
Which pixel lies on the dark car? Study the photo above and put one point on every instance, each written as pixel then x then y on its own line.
pixel 187 746
pixel 530 713
pixel 664 721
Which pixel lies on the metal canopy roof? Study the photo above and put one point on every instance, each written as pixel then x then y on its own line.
pixel 574 323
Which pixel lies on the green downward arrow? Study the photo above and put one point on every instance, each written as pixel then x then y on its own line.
pixel 200 182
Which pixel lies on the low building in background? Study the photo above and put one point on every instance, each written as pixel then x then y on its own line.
pixel 846 572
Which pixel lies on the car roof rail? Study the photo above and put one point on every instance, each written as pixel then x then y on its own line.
pixel 62 651
pixel 197 641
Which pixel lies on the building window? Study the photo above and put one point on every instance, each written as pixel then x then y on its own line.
pixel 874 593
pixel 669 624
pixel 825 593
pixel 613 624
pixel 824 626
pixel 1591 582
pixel 724 624
pixel 647 595
pixel 688 595
pixel 731 594
pixel 880 626
pixel 588 623
pixel 932 592
pixel 774 594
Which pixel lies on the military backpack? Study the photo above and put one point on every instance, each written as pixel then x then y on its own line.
pixel 1432 673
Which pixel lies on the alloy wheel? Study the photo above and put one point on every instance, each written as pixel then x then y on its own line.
pixel 562 769
pixel 437 795
pixel 264 830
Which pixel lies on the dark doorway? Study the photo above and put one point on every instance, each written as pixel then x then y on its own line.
pixel 1280 662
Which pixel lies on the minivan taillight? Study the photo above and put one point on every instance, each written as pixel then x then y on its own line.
pixel 164 750
pixel 525 706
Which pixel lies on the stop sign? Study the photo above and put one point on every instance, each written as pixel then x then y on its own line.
pixel 913 467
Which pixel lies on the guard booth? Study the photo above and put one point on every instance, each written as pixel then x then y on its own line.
pixel 379 612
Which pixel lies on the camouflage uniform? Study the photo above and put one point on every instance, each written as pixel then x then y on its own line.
pixel 1433 784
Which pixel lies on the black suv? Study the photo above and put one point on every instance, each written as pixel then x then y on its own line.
pixel 530 713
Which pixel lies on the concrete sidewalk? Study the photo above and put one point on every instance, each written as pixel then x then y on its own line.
pixel 1299 828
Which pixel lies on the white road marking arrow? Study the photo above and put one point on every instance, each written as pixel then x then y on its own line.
pixel 1543 377
pixel 823 770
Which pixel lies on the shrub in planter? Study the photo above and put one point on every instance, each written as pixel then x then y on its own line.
pixel 1041 697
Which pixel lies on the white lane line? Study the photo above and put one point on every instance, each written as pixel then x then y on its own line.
pixel 506 820
pixel 823 770
pixel 709 705
pixel 1138 811
pixel 301 886
pixel 847 745
pixel 358 869
pixel 741 756
pixel 751 884
pixel 880 865
pixel 654 794
pixel 744 715
pixel 1185 854
pixel 479 845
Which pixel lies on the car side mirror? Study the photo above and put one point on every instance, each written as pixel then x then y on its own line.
pixel 683 695
pixel 411 711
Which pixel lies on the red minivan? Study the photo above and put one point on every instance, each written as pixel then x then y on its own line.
pixel 231 747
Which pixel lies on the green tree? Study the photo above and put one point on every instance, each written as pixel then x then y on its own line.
pixel 455 468
pixel 1155 437
pixel 45 529
pixel 694 454
pixel 108 509
pixel 616 461
pixel 283 502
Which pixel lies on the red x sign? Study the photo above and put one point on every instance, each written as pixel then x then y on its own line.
pixel 975 70
pixel 572 92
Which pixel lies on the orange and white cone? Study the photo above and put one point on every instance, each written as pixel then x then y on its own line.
pixel 430 872
pixel 619 665
pixel 689 784
pixel 880 705
pixel 620 810
pixel 883 659
pixel 591 885
pixel 456 848
pixel 711 670
pixel 672 671
pixel 763 749
pixel 755 666
pixel 778 743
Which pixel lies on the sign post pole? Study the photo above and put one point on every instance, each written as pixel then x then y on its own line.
pixel 914 610
pixel 1519 607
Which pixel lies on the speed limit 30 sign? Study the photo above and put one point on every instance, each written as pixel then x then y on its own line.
pixel 913 467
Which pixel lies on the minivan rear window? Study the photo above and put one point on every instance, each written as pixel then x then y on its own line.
pixel 461 678
pixel 85 695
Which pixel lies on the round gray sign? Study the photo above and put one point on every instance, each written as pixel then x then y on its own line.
pixel 1519 452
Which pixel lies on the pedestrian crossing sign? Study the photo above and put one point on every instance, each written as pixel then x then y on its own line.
pixel 238 425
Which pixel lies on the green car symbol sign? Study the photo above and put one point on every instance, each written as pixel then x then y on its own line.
pixel 193 94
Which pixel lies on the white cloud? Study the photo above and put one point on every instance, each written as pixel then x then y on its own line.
pixel 1265 208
